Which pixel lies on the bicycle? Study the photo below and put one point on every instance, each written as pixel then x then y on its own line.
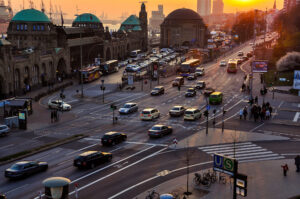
pixel 222 179
pixel 152 195
pixel 205 180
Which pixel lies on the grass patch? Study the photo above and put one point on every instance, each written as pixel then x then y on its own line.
pixel 38 149
pixel 270 78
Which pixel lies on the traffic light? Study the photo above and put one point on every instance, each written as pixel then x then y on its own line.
pixel 224 112
pixel 113 107
pixel 62 96
pixel 206 113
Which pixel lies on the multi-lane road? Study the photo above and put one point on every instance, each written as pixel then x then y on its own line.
pixel 138 163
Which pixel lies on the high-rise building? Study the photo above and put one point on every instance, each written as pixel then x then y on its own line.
pixel 204 7
pixel 218 7
pixel 289 4
pixel 157 18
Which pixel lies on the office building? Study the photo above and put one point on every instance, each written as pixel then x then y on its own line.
pixel 204 7
pixel 218 7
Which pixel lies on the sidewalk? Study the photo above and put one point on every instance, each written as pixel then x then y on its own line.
pixel 265 180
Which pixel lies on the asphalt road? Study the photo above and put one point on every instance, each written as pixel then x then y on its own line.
pixel 137 162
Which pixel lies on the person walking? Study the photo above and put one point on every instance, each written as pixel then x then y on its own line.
pixel 297 163
pixel 245 113
pixel 256 100
pixel 241 113
pixel 268 114
pixel 285 168
pixel 52 116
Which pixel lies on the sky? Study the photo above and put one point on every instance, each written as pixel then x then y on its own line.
pixel 115 8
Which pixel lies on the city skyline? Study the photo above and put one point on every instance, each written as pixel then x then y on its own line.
pixel 115 8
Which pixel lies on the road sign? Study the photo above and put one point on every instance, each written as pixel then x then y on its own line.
pixel 207 107
pixel 296 84
pixel 225 164
pixel 130 80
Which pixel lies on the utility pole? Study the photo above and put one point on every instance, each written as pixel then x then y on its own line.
pixel 251 76
pixel 81 74
pixel 235 172
pixel 102 87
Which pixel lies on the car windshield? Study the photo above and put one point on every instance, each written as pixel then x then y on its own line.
pixel 16 167
pixel 156 89
pixel 155 128
pixel 145 112
pixel 106 136
pixel 190 90
pixel 189 112
pixel 175 109
pixel 127 106
pixel 200 83
pixel 2 127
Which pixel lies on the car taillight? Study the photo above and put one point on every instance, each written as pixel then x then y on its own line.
pixel 149 115
pixel 84 163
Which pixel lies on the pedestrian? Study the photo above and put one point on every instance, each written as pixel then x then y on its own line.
pixel 55 115
pixel 245 113
pixel 268 114
pixel 241 113
pixel 297 163
pixel 256 100
pixel 262 114
pixel 52 116
pixel 285 168
pixel 270 109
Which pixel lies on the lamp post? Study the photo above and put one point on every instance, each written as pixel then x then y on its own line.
pixel 81 75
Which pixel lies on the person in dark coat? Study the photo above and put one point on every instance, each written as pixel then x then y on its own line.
pixel 52 116
pixel 297 163
pixel 256 100
pixel 285 168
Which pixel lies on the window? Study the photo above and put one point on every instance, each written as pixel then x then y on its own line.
pixel 22 26
pixel 38 27
pixel 18 27
pixel 25 27
pixel 33 28
pixel 42 27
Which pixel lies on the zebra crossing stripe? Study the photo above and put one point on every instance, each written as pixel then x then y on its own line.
pixel 243 152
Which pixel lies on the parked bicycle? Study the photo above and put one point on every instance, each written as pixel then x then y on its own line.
pixel 152 195
pixel 204 180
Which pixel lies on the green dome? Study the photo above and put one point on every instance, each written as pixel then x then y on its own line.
pixel 31 15
pixel 87 18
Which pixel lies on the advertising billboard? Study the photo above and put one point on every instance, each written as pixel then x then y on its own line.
pixel 260 66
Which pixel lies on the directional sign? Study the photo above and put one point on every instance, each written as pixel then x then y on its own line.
pixel 207 107
pixel 224 164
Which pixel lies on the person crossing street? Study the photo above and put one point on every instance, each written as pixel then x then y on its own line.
pixel 297 163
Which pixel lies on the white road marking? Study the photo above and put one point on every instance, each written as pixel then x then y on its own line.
pixel 154 177
pixel 81 149
pixel 16 189
pixel 151 144
pixel 287 154
pixel 6 146
pixel 275 113
pixel 257 127
pixel 297 115
pixel 113 173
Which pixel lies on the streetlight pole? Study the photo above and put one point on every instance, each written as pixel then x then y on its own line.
pixel 81 75
pixel 251 76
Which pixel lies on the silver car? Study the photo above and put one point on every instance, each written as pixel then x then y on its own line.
pixel 4 130
pixel 128 108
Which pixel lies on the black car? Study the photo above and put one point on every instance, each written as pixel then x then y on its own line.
pixel 208 91
pixel 160 130
pixel 192 76
pixel 90 159
pixel 191 92
pixel 112 138
pixel 200 85
pixel 158 90
pixel 24 169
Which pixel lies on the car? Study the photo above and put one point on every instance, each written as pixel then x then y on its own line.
pixel 239 61
pixel 240 53
pixel 59 104
pixel 128 108
pixel 90 159
pixel 192 76
pixel 159 130
pixel 191 92
pixel 208 91
pixel 177 111
pixel 245 58
pixel 149 114
pixel 200 85
pixel 192 114
pixel 178 81
pixel 132 68
pixel 199 71
pixel 251 43
pixel 158 90
pixel 223 63
pixel 249 54
pixel 112 138
pixel 24 169
pixel 154 51
pixel 4 129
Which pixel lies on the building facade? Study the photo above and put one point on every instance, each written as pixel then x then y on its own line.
pixel 204 7
pixel 37 53
pixel 183 27
pixel 218 7
pixel 157 18
pixel 289 4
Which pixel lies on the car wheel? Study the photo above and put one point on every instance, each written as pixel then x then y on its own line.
pixel 92 165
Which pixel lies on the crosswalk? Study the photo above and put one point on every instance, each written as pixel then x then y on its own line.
pixel 243 152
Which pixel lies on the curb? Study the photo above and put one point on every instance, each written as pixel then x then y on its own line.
pixel 285 122
pixel 44 148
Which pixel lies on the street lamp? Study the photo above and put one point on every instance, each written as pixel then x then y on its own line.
pixel 102 87
pixel 81 75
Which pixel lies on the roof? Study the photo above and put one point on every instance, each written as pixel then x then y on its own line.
pixel 191 109
pixel 130 103
pixel 87 17
pixel 16 102
pixel 88 153
pixel 111 133
pixel 148 109
pixel 132 20
pixel 4 42
pixel 216 93
pixel 31 15
pixel 183 13
pixel 137 28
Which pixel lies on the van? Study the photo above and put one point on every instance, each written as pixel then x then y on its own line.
pixel 149 114
pixel 216 98
pixel 199 71
pixel 179 81
pixel 192 114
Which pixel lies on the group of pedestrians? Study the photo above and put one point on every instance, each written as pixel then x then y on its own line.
pixel 285 167
pixel 263 112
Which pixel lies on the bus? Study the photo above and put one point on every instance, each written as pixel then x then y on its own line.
pixel 135 53
pixel 189 66
pixel 90 73
pixel 110 66
pixel 232 66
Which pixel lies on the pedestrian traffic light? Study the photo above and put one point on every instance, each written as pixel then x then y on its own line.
pixel 224 112
pixel 113 107
pixel 206 113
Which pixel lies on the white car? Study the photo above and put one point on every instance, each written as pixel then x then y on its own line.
pixel 223 63
pixel 59 104
pixel 199 71
pixel 4 130
pixel 149 114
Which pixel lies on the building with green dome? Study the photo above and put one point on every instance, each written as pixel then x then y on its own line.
pixel 38 53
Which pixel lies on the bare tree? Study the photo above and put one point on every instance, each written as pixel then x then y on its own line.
pixel 288 62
